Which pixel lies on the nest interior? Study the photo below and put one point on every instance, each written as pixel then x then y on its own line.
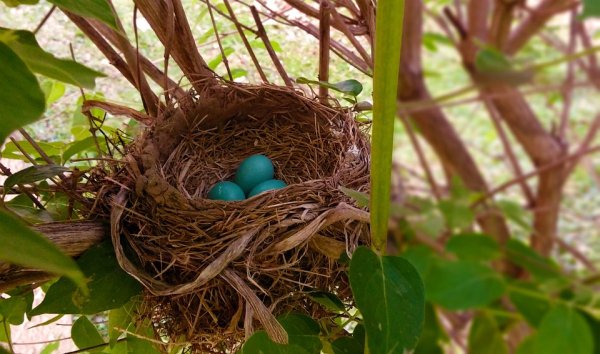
pixel 215 271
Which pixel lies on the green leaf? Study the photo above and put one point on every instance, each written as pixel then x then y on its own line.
pixel 22 100
pixel 97 9
pixel 34 174
pixel 218 59
pixel 463 284
pixel 529 301
pixel 485 337
pixel 15 3
pixel 515 212
pixel 303 334
pixel 13 309
pixel 422 258
pixel 350 87
pixel 347 345
pixel 99 264
pixel 119 318
pixel 85 334
pixel 50 348
pixel 594 324
pixel 564 330
pixel 78 147
pixel 527 346
pixel 474 247
pixel 328 300
pixel 540 267
pixel 458 215
pixel 591 8
pixel 432 333
pixel 135 344
pixel 492 60
pixel 53 90
pixel 26 46
pixel 389 294
pixel 362 199
pixel 23 246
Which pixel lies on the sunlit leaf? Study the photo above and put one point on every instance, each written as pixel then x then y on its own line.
pixel 362 199
pixel 22 100
pixel 15 3
pixel 23 246
pixel 24 44
pixel 97 9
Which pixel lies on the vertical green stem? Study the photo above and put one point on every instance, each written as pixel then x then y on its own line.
pixel 388 41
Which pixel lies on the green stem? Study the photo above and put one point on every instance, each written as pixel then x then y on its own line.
pixel 388 42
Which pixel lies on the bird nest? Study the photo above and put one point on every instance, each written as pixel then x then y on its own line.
pixel 215 271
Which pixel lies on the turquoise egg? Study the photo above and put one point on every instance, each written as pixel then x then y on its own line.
pixel 267 186
pixel 226 190
pixel 252 171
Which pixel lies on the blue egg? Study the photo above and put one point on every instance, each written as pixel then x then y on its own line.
pixel 227 191
pixel 252 171
pixel 269 185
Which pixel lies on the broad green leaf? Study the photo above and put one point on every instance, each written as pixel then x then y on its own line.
pixel 422 258
pixel 24 208
pixel 26 46
pixel 347 345
pixel 463 284
pixel 349 87
pixel 13 309
pixel 135 344
pixel 15 3
pixel 34 174
pixel 540 267
pixel 4 332
pixel 303 335
pixel 119 318
pixel 85 334
pixel 99 264
pixel 218 59
pixel 97 9
pixel 11 151
pixel 474 247
pixel 328 300
pixel 591 8
pixel 564 330
pixel 23 246
pixel 515 212
pixel 458 215
pixel 22 100
pixel 527 346
pixel 388 41
pixel 594 324
pixel 389 294
pixel 50 348
pixel 529 301
pixel 80 146
pixel 432 333
pixel 485 337
pixel 53 90
pixel 362 199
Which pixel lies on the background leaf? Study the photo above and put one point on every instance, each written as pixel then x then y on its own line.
pixel 23 246
pixel 389 294
pixel 475 247
pixel 347 345
pixel 463 284
pixel 34 174
pixel 85 334
pixel 100 266
pixel 98 9
pixel 485 337
pixel 563 330
pixel 22 100
pixel 39 61
pixel 591 8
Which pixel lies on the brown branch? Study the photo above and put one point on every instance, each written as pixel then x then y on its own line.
pixel 44 19
pixel 263 36
pixel 536 20
pixel 240 30
pixel 477 17
pixel 216 30
pixel 184 50
pixel 502 20
pixel 324 44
